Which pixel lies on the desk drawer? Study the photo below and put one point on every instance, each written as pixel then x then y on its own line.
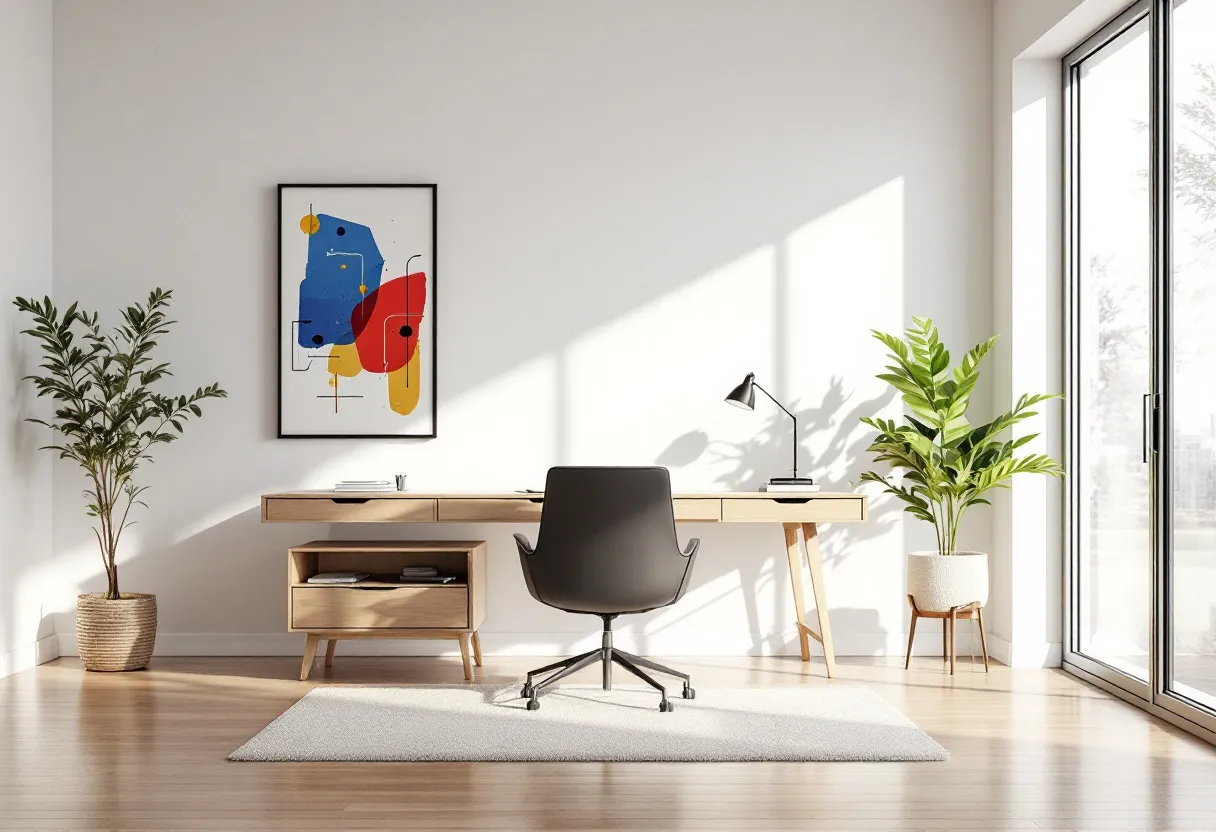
pixel 339 608
pixel 706 510
pixel 792 510
pixel 349 510
pixel 523 510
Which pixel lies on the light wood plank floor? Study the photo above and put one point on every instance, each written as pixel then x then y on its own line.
pixel 1031 749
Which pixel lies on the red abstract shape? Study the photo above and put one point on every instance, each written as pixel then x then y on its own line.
pixel 386 323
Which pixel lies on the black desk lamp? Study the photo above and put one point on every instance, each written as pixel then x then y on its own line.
pixel 744 396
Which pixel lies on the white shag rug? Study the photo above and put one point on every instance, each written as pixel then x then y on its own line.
pixel 470 723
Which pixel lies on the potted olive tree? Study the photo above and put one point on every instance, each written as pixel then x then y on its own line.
pixel 107 418
pixel 942 464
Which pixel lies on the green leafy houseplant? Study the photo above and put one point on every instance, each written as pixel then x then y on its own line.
pixel 106 416
pixel 947 465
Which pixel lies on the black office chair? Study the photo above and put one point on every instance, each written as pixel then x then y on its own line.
pixel 607 547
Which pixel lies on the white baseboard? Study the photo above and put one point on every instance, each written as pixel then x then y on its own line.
pixel 1000 650
pixel 492 643
pixel 1046 654
pixel 29 655
pixel 564 644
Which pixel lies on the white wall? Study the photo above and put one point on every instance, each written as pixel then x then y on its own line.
pixel 25 239
pixel 640 202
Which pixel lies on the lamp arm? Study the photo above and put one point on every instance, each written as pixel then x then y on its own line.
pixel 787 413
pixel 779 404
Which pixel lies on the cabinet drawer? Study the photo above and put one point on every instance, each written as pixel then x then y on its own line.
pixel 338 608
pixel 522 510
pixel 792 510
pixel 349 510
pixel 707 510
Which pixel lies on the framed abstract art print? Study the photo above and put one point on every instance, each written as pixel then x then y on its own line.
pixel 357 274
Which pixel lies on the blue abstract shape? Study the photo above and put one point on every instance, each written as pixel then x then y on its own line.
pixel 341 256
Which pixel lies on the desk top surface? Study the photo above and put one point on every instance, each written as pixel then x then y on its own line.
pixel 520 495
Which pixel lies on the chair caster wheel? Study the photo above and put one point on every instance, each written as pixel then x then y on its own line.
pixel 689 693
pixel 533 705
pixel 666 707
pixel 526 693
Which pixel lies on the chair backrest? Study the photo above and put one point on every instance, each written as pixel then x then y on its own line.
pixel 607 542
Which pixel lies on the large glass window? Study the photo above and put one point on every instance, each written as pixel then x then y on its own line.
pixel 1141 254
pixel 1113 306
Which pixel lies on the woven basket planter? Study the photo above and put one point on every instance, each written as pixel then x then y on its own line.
pixel 115 635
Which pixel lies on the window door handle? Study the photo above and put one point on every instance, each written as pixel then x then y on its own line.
pixel 1149 418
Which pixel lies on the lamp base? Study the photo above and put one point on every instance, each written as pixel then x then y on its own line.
pixel 791 481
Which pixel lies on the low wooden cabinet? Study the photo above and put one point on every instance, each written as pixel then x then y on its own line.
pixel 380 608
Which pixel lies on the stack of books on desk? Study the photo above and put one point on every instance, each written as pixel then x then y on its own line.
pixel 365 485
pixel 424 575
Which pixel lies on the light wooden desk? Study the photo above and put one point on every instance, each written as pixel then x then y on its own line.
pixel 790 510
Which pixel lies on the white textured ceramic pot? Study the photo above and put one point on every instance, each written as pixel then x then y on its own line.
pixel 938 583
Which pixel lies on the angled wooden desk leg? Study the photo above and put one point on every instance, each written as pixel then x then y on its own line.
pixel 814 559
pixel 330 647
pixel 791 551
pixel 477 648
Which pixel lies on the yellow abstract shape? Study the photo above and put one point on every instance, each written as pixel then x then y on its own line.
pixel 403 399
pixel 309 224
pixel 363 288
pixel 344 361
pixel 342 266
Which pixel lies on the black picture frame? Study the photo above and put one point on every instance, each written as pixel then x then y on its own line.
pixel 433 300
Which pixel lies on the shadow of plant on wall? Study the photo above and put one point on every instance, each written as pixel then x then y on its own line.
pixel 838 465
pixel 835 431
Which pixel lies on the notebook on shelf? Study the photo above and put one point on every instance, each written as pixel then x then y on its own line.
pixel 338 577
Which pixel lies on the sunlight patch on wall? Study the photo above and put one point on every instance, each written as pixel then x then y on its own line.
pixel 730 603
pixel 1036 286
pixel 844 277
pixel 637 383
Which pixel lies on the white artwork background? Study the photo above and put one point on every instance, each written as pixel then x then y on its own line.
pixel 400 220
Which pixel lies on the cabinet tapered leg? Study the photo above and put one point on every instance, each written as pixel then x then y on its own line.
pixel 477 648
pixel 310 653
pixel 464 656
pixel 330 647
pixel 814 559
pixel 795 559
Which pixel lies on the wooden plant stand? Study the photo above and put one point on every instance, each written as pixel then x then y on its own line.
pixel 385 609
pixel 970 611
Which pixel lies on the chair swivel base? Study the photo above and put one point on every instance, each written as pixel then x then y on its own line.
pixel 607 656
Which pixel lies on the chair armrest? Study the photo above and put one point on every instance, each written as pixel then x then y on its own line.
pixel 691 548
pixel 521 543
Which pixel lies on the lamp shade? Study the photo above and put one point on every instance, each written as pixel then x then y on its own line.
pixel 745 394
